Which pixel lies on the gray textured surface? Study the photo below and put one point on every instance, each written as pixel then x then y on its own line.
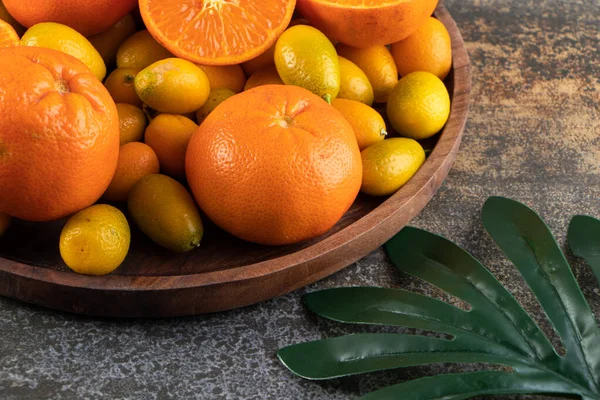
pixel 533 135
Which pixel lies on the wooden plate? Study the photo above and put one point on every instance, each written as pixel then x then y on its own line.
pixel 226 272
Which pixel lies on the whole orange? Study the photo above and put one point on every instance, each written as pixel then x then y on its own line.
pixel 87 17
pixel 136 160
pixel 59 134
pixel 5 16
pixel 429 49
pixel 8 35
pixel 107 43
pixel 274 165
pixel 263 61
pixel 267 76
pixel 364 23
pixel 378 65
pixel 132 123
pixel 120 85
pixel 230 77
pixel 168 135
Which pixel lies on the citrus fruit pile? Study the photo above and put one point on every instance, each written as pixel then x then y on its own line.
pixel 266 116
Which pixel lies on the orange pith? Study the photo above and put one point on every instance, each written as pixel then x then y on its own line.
pixel 217 32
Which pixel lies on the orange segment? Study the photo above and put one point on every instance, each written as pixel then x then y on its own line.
pixel 217 32
pixel 8 35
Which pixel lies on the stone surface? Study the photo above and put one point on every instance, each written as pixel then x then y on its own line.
pixel 533 135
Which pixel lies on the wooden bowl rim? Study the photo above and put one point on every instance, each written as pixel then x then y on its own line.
pixel 386 210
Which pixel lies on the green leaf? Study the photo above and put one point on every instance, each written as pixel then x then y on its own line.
pixel 466 385
pixel 494 330
pixel 529 244
pixel 584 241
pixel 494 311
pixel 357 354
pixel 401 308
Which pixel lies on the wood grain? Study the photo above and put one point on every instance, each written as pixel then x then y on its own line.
pixel 226 272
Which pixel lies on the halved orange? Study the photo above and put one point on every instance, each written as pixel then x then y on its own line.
pixel 217 32
pixel 8 35
pixel 366 23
